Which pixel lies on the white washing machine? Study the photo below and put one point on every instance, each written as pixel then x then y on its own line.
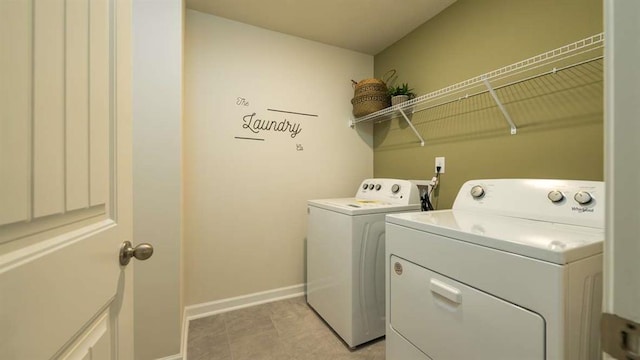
pixel 512 271
pixel 345 256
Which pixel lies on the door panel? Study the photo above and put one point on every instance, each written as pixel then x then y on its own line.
pixel 48 108
pixel 56 127
pixel 15 102
pixel 77 105
pixel 65 179
pixel 51 295
pixel 95 344
pixel 99 101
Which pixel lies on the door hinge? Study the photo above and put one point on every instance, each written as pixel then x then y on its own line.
pixel 620 337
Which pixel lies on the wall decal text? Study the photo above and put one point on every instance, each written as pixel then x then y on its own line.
pixel 256 125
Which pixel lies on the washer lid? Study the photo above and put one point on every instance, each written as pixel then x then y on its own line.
pixel 355 206
pixel 552 242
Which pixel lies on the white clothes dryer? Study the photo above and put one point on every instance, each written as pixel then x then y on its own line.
pixel 345 256
pixel 512 271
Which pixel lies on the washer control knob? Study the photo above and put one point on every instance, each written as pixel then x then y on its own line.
pixel 378 187
pixel 477 192
pixel 371 186
pixel 555 196
pixel 395 188
pixel 365 186
pixel 583 197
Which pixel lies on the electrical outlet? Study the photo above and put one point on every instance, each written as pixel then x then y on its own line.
pixel 440 163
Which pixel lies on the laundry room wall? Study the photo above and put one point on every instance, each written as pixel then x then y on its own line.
pixel 559 136
pixel 265 129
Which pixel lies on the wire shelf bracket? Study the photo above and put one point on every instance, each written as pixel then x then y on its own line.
pixel 514 130
pixel 412 127
pixel 352 123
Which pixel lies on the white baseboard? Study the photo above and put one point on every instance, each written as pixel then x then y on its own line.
pixel 172 357
pixel 197 311
pixel 219 306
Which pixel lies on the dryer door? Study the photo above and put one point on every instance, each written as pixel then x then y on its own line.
pixel 446 319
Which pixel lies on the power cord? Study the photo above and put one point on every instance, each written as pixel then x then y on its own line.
pixel 438 168
pixel 425 202
pixel 435 182
pixel 425 196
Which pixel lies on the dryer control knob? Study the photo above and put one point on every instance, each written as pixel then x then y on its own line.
pixel 555 196
pixel 583 197
pixel 477 192
pixel 378 187
pixel 395 188
pixel 365 186
pixel 371 186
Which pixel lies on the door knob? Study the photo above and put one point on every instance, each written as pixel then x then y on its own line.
pixel 140 252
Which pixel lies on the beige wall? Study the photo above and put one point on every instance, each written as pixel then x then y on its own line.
pixel 245 200
pixel 559 135
pixel 157 107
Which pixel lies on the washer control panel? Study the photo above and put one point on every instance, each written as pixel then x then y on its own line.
pixel 394 191
pixel 573 202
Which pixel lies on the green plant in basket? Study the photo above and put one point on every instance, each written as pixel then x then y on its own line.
pixel 402 90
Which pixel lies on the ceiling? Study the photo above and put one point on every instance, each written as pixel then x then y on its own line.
pixel 367 26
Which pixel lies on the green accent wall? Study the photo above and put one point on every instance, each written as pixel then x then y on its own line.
pixel 559 116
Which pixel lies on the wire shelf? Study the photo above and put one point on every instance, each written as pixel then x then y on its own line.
pixel 506 75
pixel 570 96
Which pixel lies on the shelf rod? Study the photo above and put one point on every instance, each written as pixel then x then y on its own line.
pixel 412 127
pixel 499 103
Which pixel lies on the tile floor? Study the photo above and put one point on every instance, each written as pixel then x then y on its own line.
pixel 281 330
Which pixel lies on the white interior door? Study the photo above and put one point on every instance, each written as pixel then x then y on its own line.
pixel 621 335
pixel 65 179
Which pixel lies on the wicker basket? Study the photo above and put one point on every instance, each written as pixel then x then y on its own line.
pixel 370 95
pixel 369 87
pixel 367 104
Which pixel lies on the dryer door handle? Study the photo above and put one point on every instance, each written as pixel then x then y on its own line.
pixel 447 291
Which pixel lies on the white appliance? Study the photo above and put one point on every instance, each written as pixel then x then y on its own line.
pixel 512 271
pixel 345 256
